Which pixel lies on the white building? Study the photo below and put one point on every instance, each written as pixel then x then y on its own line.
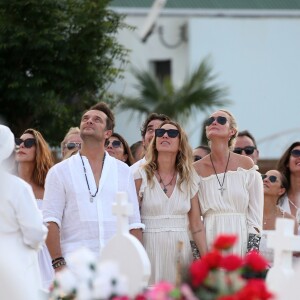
pixel 255 51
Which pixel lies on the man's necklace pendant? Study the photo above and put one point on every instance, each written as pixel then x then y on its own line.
pixel 91 199
pixel 165 190
pixel 222 189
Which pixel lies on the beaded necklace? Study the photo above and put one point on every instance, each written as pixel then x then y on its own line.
pixel 86 179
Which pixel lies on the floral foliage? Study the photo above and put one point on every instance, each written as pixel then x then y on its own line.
pixel 222 276
pixel 218 275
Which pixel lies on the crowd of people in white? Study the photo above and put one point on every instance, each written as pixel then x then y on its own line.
pixel 49 210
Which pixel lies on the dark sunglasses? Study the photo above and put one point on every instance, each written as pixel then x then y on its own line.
pixel 221 120
pixel 172 133
pixel 295 153
pixel 248 150
pixel 197 157
pixel 115 143
pixel 272 178
pixel 73 145
pixel 28 143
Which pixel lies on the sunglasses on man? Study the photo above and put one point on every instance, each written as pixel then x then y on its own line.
pixel 114 144
pixel 28 143
pixel 73 145
pixel 248 150
pixel 172 133
pixel 221 120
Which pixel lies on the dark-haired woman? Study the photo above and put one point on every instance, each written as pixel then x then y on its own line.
pixel 230 189
pixel 34 159
pixel 289 165
pixel 117 147
pixel 275 186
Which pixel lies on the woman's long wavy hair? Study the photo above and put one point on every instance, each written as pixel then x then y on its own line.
pixel 184 157
pixel 283 163
pixel 43 157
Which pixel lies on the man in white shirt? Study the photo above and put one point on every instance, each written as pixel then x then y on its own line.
pixel 79 192
pixel 153 122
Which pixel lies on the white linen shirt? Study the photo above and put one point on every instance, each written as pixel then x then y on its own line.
pixel 67 202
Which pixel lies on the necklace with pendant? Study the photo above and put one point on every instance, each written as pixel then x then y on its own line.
pixel 221 189
pixel 165 185
pixel 92 196
pixel 274 214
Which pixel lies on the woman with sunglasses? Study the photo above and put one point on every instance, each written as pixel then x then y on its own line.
pixel 167 190
pixel 275 186
pixel 34 159
pixel 117 147
pixel 289 165
pixel 71 143
pixel 230 188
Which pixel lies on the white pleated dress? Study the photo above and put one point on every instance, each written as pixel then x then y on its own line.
pixel 166 224
pixel 238 211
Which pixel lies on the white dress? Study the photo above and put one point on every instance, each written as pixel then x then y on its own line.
pixel 45 262
pixel 166 224
pixel 238 211
pixel 266 252
pixel 21 234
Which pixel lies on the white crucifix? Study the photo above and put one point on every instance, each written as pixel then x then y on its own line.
pixel 284 243
pixel 124 249
pixel 122 210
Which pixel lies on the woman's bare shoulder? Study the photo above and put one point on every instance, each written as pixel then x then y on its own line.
pixel 242 161
pixel 203 166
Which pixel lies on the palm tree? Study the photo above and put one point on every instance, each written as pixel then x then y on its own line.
pixel 199 92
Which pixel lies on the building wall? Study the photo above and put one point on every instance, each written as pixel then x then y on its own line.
pixel 257 57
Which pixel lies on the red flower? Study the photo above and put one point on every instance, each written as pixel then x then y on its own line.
pixel 225 241
pixel 255 289
pixel 228 297
pixel 199 269
pixel 140 297
pixel 255 261
pixel 213 259
pixel 231 262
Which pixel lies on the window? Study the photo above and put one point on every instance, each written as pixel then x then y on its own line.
pixel 161 69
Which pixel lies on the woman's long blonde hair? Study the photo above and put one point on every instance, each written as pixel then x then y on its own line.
pixel 184 157
pixel 43 157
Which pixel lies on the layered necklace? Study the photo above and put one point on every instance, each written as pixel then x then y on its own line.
pixel 165 185
pixel 92 196
pixel 221 189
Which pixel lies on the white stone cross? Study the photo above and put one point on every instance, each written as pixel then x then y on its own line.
pixel 126 250
pixel 283 242
pixel 122 209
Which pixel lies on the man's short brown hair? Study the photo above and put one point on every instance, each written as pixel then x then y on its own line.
pixel 110 121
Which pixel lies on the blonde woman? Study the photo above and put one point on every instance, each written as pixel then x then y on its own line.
pixel 230 188
pixel 71 143
pixel 34 159
pixel 167 193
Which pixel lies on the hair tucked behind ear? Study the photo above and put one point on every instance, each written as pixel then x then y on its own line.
pixel 233 125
